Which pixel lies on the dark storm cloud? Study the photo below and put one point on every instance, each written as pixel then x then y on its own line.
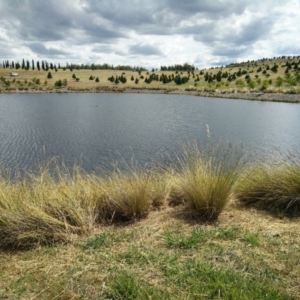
pixel 48 21
pixel 161 17
pixel 229 51
pixel 41 49
pixel 232 41
pixel 144 50
pixel 207 7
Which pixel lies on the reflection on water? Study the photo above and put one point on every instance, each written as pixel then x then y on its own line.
pixel 96 129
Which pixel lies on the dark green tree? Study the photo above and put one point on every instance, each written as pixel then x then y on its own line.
pixel 58 83
pixel 38 65
pixel 23 64
pixel 49 76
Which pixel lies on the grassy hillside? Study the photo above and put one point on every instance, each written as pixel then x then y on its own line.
pixel 268 75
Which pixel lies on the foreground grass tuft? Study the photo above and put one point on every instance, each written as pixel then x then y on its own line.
pixel 132 195
pixel 272 184
pixel 51 207
pixel 206 178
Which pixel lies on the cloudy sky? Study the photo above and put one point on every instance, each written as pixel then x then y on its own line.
pixel 148 33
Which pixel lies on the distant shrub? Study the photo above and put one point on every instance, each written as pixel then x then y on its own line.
pixel 58 83
pixel 240 83
pixel 251 84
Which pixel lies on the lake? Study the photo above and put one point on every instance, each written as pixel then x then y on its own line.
pixel 96 129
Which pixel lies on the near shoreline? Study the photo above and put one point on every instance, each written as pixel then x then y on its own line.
pixel 254 96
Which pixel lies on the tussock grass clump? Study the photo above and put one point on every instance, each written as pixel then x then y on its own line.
pixel 205 179
pixel 272 184
pixel 44 209
pixel 132 195
pixel 54 204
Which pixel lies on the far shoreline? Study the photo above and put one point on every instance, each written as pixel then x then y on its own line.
pixel 239 95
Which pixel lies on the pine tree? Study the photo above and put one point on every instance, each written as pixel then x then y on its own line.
pixel 49 76
pixel 23 64
pixel 38 65
pixel 33 65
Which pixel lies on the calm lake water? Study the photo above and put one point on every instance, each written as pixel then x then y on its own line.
pixel 96 129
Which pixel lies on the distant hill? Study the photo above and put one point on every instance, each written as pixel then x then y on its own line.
pixel 278 75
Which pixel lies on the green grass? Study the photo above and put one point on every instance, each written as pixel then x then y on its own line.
pixel 198 236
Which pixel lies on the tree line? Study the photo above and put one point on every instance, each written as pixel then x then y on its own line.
pixel 46 66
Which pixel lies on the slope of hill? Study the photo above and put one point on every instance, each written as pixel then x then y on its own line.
pixel 265 76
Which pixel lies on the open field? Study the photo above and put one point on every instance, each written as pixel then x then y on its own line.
pixel 280 75
pixel 191 231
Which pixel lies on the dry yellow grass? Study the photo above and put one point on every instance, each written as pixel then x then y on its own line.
pixel 84 84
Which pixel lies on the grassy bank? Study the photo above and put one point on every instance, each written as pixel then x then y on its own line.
pixel 211 226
